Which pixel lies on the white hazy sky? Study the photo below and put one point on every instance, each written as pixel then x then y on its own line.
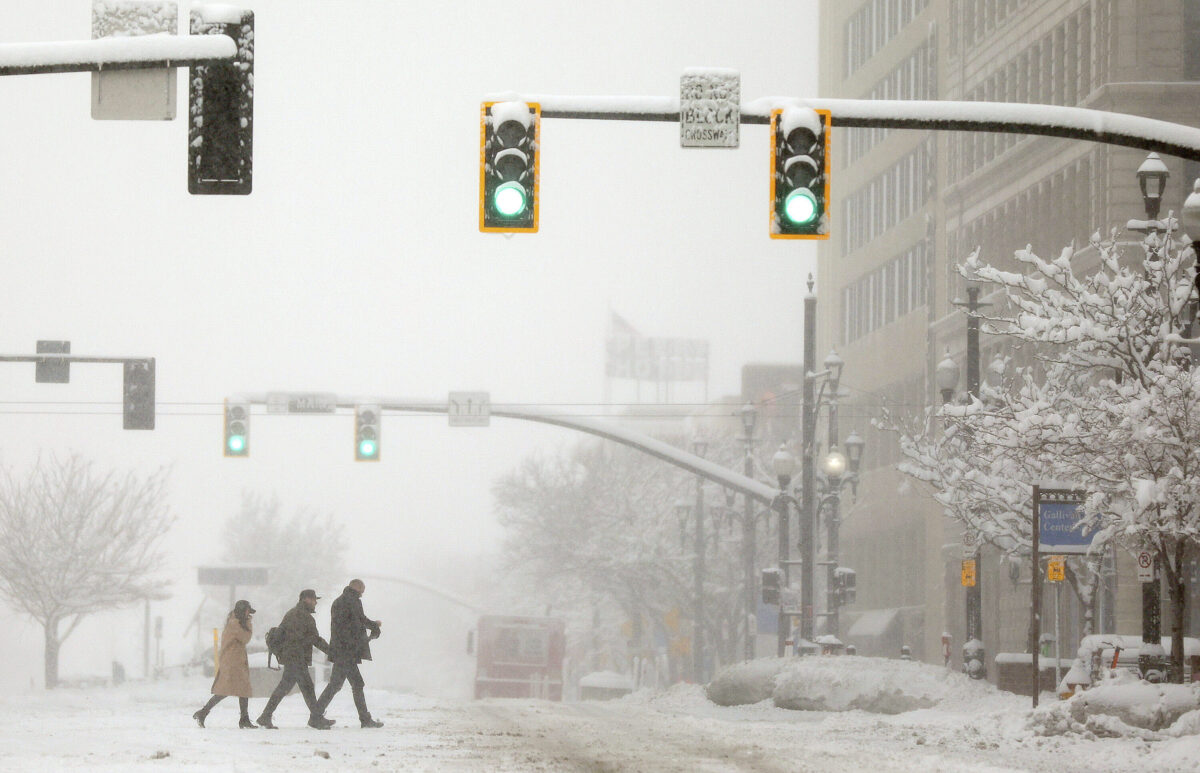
pixel 356 266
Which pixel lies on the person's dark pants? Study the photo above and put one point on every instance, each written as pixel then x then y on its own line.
pixel 294 675
pixel 338 676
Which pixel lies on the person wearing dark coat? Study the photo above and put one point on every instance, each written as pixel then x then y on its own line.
pixel 295 655
pixel 233 668
pixel 349 645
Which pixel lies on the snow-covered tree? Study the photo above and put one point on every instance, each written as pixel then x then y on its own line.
pixel 74 541
pixel 1117 409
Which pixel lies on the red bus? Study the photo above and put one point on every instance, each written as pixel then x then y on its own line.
pixel 520 657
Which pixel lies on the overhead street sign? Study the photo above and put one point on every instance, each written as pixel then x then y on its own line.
pixel 469 409
pixel 709 107
pixel 301 402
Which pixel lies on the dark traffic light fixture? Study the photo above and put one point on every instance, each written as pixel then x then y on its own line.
pixel 508 167
pixel 800 173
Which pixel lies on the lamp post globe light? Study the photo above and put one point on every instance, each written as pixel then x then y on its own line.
pixel 784 464
pixel 946 377
pixel 854 449
pixel 1152 179
pixel 834 466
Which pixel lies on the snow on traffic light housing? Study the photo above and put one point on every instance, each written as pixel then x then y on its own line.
pixel 800 173
pixel 509 135
pixel 237 428
pixel 221 106
pixel 366 433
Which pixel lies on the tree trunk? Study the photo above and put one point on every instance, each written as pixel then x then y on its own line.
pixel 51 653
pixel 1177 593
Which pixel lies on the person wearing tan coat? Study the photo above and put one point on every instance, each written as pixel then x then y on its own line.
pixel 233 667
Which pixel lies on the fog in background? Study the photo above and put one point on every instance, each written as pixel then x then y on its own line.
pixel 356 266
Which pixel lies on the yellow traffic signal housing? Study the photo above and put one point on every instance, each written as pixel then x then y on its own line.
pixel 800 173
pixel 509 140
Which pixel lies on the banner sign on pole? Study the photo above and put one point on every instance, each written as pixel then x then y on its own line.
pixel 1059 513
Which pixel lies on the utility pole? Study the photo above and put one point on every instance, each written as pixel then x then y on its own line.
pixel 698 448
pixel 749 534
pixel 808 412
pixel 973 651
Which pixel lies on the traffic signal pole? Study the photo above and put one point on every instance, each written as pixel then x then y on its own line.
pixel 138 389
pixel 1078 123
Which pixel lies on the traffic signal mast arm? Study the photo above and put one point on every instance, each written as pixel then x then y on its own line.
pixel 125 53
pixel 1079 123
pixel 668 453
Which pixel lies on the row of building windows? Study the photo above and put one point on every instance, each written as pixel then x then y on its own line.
pixel 974 20
pixel 886 294
pixel 913 78
pixel 872 26
pixel 1048 215
pixel 1054 70
pixel 898 192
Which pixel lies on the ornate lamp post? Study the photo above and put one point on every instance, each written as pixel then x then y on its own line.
pixel 1152 178
pixel 784 464
pixel 749 418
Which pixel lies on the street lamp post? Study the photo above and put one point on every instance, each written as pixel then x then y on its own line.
pixel 833 470
pixel 784 464
pixel 1152 179
pixel 699 446
pixel 749 419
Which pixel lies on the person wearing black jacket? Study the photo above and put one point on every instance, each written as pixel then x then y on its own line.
pixel 349 645
pixel 300 635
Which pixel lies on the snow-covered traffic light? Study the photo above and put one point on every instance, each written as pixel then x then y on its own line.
pixel 771 579
pixel 366 433
pixel 508 167
pixel 139 394
pixel 800 173
pixel 237 428
pixel 221 106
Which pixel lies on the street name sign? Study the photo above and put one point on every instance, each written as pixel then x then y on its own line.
pixel 1145 566
pixel 301 402
pixel 469 409
pixel 709 107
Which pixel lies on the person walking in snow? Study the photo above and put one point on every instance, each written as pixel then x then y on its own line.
pixel 233 668
pixel 299 631
pixel 349 645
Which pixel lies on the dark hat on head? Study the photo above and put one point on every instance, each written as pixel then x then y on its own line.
pixel 244 605
pixel 308 593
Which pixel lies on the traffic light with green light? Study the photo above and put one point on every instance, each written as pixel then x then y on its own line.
pixel 800 173
pixel 366 433
pixel 237 428
pixel 508 167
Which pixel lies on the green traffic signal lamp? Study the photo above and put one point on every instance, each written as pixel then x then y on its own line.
pixel 237 429
pixel 367 448
pixel 800 207
pixel 509 199
pixel 236 444
pixel 366 432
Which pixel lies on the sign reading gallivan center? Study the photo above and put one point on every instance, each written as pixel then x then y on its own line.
pixel 1059 513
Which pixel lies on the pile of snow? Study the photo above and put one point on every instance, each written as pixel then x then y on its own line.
pixel 1123 705
pixel 845 683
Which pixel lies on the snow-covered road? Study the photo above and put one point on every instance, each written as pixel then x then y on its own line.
pixel 149 727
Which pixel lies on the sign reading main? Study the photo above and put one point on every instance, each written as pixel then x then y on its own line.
pixel 709 107
pixel 301 402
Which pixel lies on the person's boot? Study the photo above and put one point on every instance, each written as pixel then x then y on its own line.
pixel 320 723
pixel 200 716
pixel 245 723
pixel 371 722
pixel 265 721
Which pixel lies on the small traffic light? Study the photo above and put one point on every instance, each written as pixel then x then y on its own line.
pixel 139 394
pixel 771 579
pixel 509 137
pixel 800 173
pixel 221 106
pixel 366 433
pixel 237 428
pixel 846 585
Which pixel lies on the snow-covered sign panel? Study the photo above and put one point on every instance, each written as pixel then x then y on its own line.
pixel 134 95
pixel 709 107
pixel 301 402
pixel 1060 511
pixel 469 409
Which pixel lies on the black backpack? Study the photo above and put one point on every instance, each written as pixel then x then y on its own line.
pixel 274 640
